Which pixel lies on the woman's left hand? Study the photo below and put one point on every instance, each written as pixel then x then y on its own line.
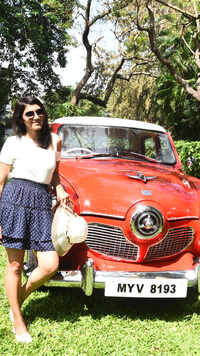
pixel 63 197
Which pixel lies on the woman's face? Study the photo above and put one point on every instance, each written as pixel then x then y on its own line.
pixel 33 117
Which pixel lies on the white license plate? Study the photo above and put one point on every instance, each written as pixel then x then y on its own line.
pixel 146 288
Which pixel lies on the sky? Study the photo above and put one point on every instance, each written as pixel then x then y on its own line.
pixel 75 67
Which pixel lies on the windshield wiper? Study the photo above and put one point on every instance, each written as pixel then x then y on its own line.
pixel 138 155
pixel 96 155
pixel 120 154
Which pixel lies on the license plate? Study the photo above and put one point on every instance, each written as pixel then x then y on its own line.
pixel 146 288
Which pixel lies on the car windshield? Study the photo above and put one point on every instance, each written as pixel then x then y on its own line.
pixel 98 141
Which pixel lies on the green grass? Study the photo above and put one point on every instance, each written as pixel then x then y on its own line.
pixel 65 322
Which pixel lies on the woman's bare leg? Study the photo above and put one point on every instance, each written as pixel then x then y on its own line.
pixel 47 266
pixel 14 267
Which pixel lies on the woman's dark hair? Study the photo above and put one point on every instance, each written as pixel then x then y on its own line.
pixel 19 127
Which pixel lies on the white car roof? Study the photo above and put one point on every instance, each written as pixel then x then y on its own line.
pixel 108 121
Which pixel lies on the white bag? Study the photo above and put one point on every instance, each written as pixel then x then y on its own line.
pixel 67 229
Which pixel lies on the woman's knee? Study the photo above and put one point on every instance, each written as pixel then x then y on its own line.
pixel 50 268
pixel 15 259
pixel 48 262
pixel 14 267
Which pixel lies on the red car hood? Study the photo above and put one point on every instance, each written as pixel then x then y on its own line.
pixel 110 187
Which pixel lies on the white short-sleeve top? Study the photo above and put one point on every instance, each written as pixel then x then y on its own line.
pixel 28 160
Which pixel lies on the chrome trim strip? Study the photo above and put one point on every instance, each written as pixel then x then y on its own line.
pixel 183 218
pixel 88 278
pixel 91 213
pixel 120 217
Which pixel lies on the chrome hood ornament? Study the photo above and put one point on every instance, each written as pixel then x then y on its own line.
pixel 142 177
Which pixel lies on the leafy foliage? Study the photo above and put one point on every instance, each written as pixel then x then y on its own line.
pixel 4 89
pixel 175 109
pixel 132 100
pixel 172 56
pixel 189 151
pixel 58 105
pixel 33 39
pixel 85 109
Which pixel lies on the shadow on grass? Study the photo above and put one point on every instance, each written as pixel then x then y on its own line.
pixel 70 304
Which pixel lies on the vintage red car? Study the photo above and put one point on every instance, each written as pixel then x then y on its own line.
pixel 126 179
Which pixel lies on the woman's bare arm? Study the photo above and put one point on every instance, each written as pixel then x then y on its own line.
pixel 62 195
pixel 4 171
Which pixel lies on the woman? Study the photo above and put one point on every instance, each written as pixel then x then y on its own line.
pixel 29 158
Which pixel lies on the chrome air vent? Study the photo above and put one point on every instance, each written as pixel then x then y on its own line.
pixel 110 241
pixel 175 241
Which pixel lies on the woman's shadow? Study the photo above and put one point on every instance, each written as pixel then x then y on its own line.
pixel 70 304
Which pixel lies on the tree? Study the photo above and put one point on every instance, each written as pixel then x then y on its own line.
pixel 133 99
pixel 175 109
pixel 58 105
pixel 186 31
pixel 33 40
pixel 172 30
pixel 101 73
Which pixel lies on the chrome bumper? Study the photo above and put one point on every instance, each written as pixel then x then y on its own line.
pixel 88 279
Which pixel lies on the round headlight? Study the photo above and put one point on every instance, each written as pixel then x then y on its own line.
pixel 146 222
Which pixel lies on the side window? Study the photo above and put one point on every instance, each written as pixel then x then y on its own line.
pixel 159 148
pixel 150 147
pixel 167 152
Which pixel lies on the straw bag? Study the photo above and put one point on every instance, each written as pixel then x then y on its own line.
pixel 67 229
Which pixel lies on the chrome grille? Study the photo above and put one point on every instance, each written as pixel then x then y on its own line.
pixel 175 241
pixel 110 241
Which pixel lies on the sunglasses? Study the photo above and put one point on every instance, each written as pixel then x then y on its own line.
pixel 39 112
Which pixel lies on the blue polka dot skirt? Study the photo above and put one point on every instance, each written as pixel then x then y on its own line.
pixel 25 215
